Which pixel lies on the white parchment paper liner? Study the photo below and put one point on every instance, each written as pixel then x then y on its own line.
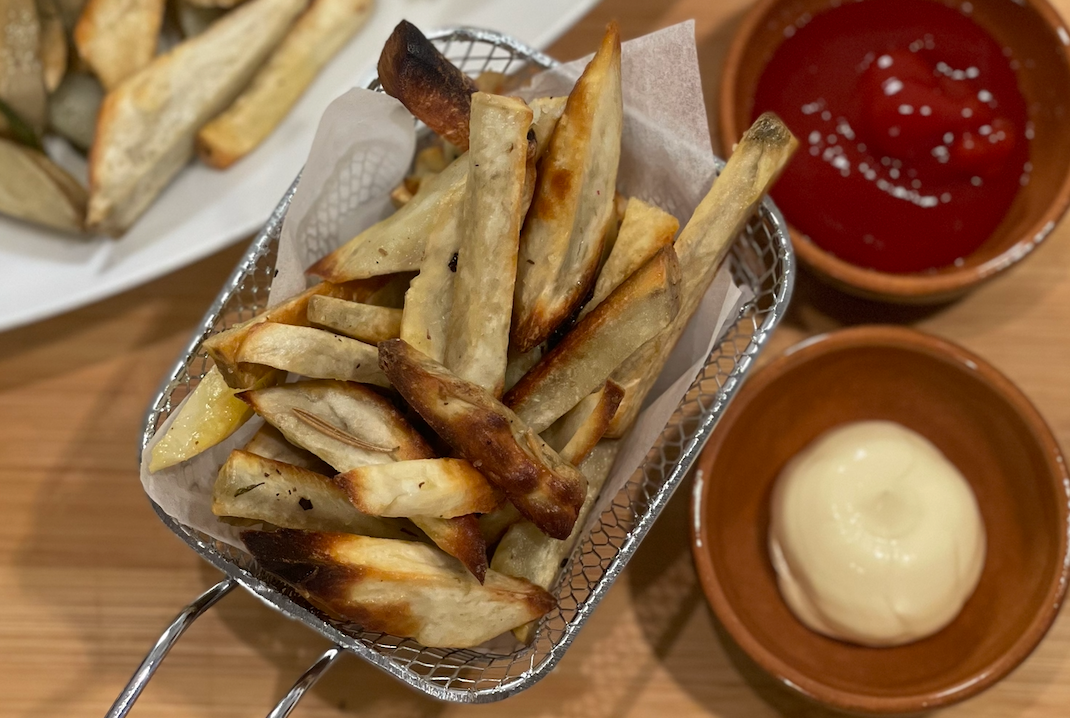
pixel 363 148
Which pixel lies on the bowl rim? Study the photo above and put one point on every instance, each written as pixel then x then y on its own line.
pixel 919 287
pixel 813 688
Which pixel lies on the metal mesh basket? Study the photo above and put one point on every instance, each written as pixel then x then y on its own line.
pixel 761 259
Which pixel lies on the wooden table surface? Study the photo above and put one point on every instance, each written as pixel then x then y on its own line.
pixel 89 576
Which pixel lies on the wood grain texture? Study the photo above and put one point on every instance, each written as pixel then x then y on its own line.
pixel 89 576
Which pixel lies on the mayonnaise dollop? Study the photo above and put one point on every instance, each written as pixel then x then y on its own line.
pixel 876 537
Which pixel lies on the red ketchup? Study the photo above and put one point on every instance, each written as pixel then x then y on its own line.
pixel 914 135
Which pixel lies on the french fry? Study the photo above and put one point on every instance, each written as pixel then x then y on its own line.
pixel 253 487
pixel 117 38
pixel 634 313
pixel 22 79
pixel 147 124
pixel 576 433
pixel 35 189
pixel 644 230
pixel 311 352
pixel 459 537
pixel 757 161
pixel 364 322
pixel 433 89
pixel 545 488
pixel 561 243
pixel 521 363
pixel 527 553
pixel 442 488
pixel 493 525
pixel 396 244
pixel 53 40
pixel 398 587
pixel 477 336
pixel 269 443
pixel 314 39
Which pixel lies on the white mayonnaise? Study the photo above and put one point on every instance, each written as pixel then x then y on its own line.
pixel 876 537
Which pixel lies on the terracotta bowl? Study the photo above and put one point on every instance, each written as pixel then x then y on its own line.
pixel 980 421
pixel 1031 29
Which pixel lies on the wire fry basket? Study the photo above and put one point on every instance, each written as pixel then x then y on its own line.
pixel 761 258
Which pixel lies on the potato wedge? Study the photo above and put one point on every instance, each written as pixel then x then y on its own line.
pixel 269 443
pixel 525 552
pixel 432 88
pixel 314 39
pixel 311 352
pixel 545 488
pixel 576 433
pixel 253 487
pixel 757 161
pixel 210 415
pixel 402 588
pixel 477 335
pixel 442 488
pixel 459 537
pixel 546 112
pixel 396 244
pixel 363 322
pixel 146 126
pixel 35 189
pixel 53 49
pixel 644 230
pixel 493 525
pixel 117 38
pixel 22 78
pixel 561 243
pixel 634 313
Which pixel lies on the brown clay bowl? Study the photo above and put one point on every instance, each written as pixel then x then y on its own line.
pixel 980 421
pixel 1031 29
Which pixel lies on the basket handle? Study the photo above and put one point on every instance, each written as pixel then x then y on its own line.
pixel 173 632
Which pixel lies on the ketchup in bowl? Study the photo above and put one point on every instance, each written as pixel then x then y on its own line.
pixel 914 135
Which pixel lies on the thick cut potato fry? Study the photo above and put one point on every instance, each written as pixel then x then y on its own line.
pixel 117 38
pixel 146 126
pixel 271 444
pixel 644 230
pixel 364 322
pixel 396 244
pixel 35 189
pixel 493 525
pixel 561 244
pixel 634 313
pixel 53 44
pixel 311 352
pixel 546 112
pixel 576 433
pixel 315 38
pixel 209 415
pixel 459 537
pixel 525 552
pixel 398 587
pixel 253 487
pixel 757 161
pixel 22 77
pixel 442 488
pixel 477 336
pixel 432 88
pixel 545 488
pixel 520 364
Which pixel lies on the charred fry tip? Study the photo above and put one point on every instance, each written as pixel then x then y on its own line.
pixel 769 129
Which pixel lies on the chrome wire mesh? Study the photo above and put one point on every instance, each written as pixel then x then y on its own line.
pixel 761 259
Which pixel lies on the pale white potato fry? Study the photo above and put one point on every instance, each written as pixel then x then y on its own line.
pixel 311 352
pixel 442 488
pixel 35 189
pixel 269 443
pixel 576 433
pixel 365 322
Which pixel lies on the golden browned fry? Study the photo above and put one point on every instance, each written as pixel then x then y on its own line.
pixel 223 347
pixel 561 243
pixel 396 244
pixel 545 488
pixel 702 246
pixel 644 230
pixel 35 189
pixel 364 322
pixel 147 124
pixel 22 76
pixel 402 588
pixel 493 525
pixel 634 313
pixel 460 538
pixel 576 433
pixel 314 39
pixel 430 86
pixel 271 444
pixel 442 488
pixel 253 487
pixel 209 415
pixel 311 352
pixel 116 38
pixel 491 81
pixel 53 44
pixel 477 335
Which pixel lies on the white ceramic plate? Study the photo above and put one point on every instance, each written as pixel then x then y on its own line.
pixel 43 273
